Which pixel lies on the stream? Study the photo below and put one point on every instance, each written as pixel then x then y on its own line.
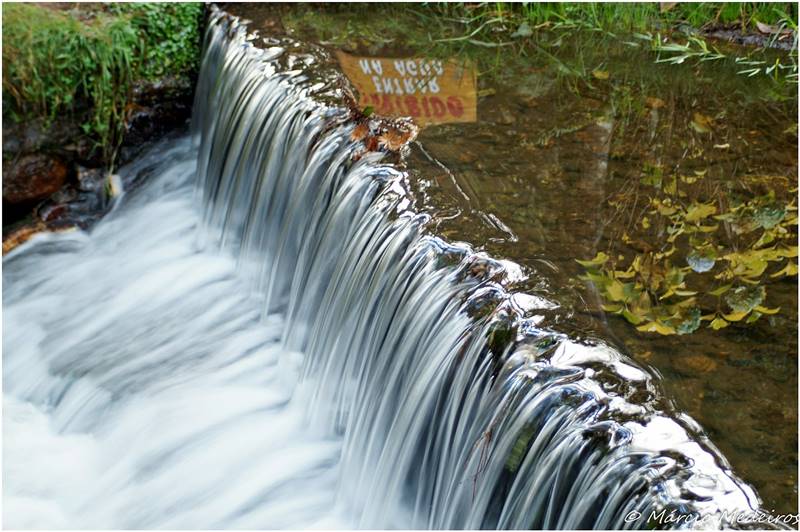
pixel 265 332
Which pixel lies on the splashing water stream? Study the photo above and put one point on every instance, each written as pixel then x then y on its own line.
pixel 263 335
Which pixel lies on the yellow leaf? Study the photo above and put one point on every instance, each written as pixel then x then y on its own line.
pixel 672 186
pixel 619 274
pixel 600 74
pixel 699 211
pixel 654 103
pixel 656 326
pixel 735 316
pixel 666 210
pixel 665 254
pixel 707 228
pixel 750 263
pixel 701 123
pixel 686 302
pixel 600 258
pixel 765 310
pixel 718 323
pixel 616 291
pixel 749 281
pixel 721 290
pixel 789 269
pixel 685 292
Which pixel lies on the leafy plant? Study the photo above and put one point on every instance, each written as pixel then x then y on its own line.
pixel 84 65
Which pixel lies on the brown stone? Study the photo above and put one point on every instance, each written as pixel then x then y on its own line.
pixel 32 178
pixel 21 235
pixel 699 363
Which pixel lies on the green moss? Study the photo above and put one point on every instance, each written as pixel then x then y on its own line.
pixel 83 63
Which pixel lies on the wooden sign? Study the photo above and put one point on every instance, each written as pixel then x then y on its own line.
pixel 430 91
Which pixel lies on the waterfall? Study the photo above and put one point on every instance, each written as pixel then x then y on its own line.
pixel 265 334
pixel 451 401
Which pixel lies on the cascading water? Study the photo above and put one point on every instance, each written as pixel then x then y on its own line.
pixel 263 335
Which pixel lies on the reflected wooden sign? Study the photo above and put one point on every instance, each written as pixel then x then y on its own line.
pixel 428 90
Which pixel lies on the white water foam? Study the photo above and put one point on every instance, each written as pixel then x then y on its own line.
pixel 141 388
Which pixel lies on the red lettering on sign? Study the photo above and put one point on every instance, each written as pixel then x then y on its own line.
pixel 455 106
pixel 412 105
pixel 426 108
pixel 438 107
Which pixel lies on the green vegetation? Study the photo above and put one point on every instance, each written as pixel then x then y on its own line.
pixel 639 16
pixel 83 64
pixel 491 35
pixel 486 23
pixel 696 260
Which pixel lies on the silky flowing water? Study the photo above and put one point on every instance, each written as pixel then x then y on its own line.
pixel 571 124
pixel 264 334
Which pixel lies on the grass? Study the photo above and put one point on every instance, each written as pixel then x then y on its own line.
pixel 83 64
pixel 492 35
pixel 639 16
pixel 486 21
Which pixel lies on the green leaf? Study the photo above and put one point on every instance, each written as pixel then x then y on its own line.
pixel 597 278
pixel 675 277
pixel 745 298
pixel 720 290
pixel 691 323
pixel 631 317
pixel 769 216
pixel 753 317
